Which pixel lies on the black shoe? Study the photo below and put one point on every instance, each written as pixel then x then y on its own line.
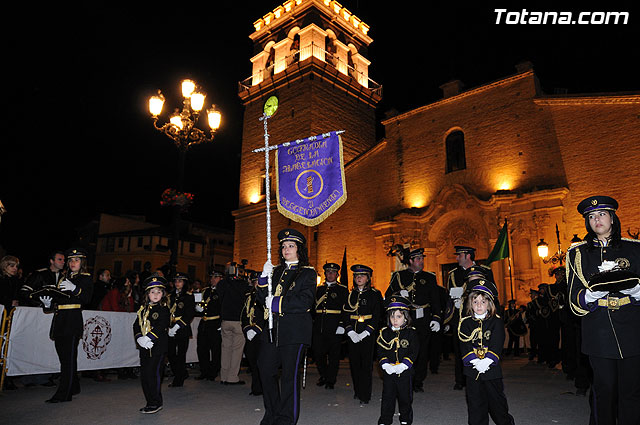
pixel 581 391
pixel 255 393
pixel 151 409
pixel 224 383
pixel 418 389
pixel 321 382
pixel 9 385
pixel 434 372
pixel 458 387
pixel 174 385
pixel 236 383
pixel 329 386
pixel 364 401
pixel 200 378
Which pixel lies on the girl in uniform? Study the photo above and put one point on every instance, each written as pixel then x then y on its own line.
pixel 150 330
pixel 362 314
pixel 398 347
pixel 482 336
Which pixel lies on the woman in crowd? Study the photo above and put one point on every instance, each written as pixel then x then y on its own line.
pixel 362 316
pixel 604 288
pixel 290 303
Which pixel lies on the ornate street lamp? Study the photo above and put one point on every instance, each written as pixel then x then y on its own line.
pixel 543 251
pixel 182 129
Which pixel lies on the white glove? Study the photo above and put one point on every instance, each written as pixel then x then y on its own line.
pixel 592 296
pixel 339 330
pixel 268 301
pixel 474 362
pixel 199 308
pixel 632 292
pixel 457 303
pixel 46 301
pixel 144 341
pixel 67 285
pixel 446 328
pixel 483 365
pixel 354 336
pixel 456 292
pixel 149 345
pixel 434 326
pixel 267 269
pixel 173 330
pixel 389 368
pixel 401 367
pixel 251 334
pixel 404 293
pixel 362 335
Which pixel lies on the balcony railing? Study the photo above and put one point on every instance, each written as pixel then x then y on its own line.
pixel 303 54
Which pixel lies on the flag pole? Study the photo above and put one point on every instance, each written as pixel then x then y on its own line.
pixel 267 184
pixel 509 258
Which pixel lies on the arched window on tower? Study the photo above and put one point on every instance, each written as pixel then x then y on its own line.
pixel 455 151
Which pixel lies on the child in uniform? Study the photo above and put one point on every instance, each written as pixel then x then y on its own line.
pixel 150 330
pixel 482 337
pixel 398 347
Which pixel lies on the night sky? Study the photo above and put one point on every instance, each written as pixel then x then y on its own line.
pixel 77 138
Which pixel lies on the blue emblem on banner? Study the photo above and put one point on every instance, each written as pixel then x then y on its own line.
pixel 310 178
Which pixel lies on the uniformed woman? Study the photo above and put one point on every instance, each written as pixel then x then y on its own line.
pixel 604 289
pixel 398 347
pixel 150 331
pixel 76 288
pixel 362 317
pixel 253 323
pixel 283 346
pixel 183 308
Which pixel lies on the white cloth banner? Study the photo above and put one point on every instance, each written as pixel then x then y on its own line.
pixel 107 342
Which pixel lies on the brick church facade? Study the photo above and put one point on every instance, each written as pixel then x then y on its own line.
pixel 445 174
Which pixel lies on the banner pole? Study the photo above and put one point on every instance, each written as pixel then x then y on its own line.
pixel 268 216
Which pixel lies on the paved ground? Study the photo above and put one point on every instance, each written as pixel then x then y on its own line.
pixel 537 395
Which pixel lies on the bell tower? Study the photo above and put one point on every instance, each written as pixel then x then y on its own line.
pixel 311 56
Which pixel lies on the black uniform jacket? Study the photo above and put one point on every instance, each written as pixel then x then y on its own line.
pixel 328 309
pixel 401 346
pixel 211 306
pixel 610 326
pixel 67 319
pixel 253 314
pixel 153 321
pixel 363 311
pixel 480 339
pixel 183 308
pixel 294 292
pixel 423 292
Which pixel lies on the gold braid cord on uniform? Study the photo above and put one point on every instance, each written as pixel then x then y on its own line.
pixel 388 345
pixel 476 334
pixel 143 319
pixel 322 298
pixel 352 308
pixel 577 271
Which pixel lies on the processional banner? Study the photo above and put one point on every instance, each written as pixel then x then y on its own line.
pixel 310 178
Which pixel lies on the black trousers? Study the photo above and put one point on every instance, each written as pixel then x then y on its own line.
pixel 208 349
pixel 67 349
pixel 420 366
pixel 151 368
pixel 252 351
pixel 568 349
pixel 361 365
pixel 400 389
pixel 326 354
pixel 178 358
pixel 616 390
pixel 533 339
pixel 281 396
pixel 435 350
pixel 514 344
pixel 486 398
pixel 457 359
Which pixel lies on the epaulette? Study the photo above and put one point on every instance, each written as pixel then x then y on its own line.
pixel 308 267
pixel 630 240
pixel 340 284
pixel 576 245
pixel 430 273
pixel 42 269
pixel 452 270
pixel 485 266
pixel 85 274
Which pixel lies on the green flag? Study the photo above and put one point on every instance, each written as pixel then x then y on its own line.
pixel 501 248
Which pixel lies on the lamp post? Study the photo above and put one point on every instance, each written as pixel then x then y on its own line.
pixel 543 251
pixel 182 129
